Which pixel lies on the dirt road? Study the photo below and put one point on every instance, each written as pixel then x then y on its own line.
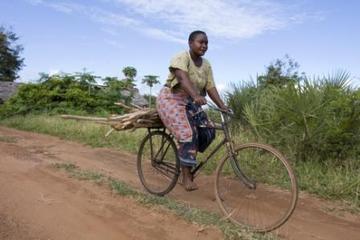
pixel 37 202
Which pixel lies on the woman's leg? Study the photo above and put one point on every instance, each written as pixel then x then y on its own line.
pixel 188 181
pixel 173 111
pixel 187 154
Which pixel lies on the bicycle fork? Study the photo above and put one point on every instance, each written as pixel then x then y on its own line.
pixel 251 184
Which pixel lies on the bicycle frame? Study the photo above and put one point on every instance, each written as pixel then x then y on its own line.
pixel 225 118
pixel 225 141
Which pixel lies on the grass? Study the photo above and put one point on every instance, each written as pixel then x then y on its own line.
pixel 326 181
pixel 331 182
pixel 8 139
pixel 190 214
pixel 79 131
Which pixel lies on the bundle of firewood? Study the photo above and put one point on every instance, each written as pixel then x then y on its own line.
pixel 136 118
pixel 139 119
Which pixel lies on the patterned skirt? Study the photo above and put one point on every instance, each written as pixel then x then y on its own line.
pixel 187 122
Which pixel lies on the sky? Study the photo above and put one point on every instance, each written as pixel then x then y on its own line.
pixel 245 36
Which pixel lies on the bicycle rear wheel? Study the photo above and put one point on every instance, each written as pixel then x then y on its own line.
pixel 157 163
pixel 256 187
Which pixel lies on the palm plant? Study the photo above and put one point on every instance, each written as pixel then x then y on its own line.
pixel 130 74
pixel 150 80
pixel 318 119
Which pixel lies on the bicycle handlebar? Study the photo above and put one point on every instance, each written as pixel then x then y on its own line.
pixel 230 112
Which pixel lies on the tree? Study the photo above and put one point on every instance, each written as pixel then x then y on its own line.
pixel 130 74
pixel 10 60
pixel 150 80
pixel 281 73
pixel 86 79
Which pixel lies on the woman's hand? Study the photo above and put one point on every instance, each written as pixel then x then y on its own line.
pixel 225 108
pixel 200 100
pixel 214 95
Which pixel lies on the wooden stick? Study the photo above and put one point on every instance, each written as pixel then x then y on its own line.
pixel 127 108
pixel 109 132
pixel 136 106
pixel 75 117
pixel 143 118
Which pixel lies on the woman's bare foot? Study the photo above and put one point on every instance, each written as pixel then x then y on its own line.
pixel 188 182
pixel 189 185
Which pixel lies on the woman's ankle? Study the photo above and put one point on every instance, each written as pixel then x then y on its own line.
pixel 188 182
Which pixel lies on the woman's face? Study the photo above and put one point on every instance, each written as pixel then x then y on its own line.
pixel 199 45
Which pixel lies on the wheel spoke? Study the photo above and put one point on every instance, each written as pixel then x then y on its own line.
pixel 158 164
pixel 165 170
pixel 271 202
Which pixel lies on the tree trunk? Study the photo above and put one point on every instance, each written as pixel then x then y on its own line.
pixel 150 99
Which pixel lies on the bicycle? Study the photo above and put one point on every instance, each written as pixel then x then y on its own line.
pixel 255 185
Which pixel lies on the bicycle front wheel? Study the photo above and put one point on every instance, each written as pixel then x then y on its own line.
pixel 157 163
pixel 256 187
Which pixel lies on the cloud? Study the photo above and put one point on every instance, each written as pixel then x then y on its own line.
pixel 58 6
pixel 221 87
pixel 35 2
pixel 161 34
pixel 94 13
pixel 111 31
pixel 302 17
pixel 54 71
pixel 109 18
pixel 114 43
pixel 171 20
pixel 227 19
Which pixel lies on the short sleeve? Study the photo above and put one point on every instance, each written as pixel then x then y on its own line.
pixel 210 79
pixel 180 61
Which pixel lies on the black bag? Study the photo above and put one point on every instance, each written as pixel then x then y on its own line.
pixel 205 134
pixel 205 138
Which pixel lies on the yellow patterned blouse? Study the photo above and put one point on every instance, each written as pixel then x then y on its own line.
pixel 201 77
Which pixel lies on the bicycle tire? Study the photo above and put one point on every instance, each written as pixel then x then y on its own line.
pixel 158 164
pixel 265 207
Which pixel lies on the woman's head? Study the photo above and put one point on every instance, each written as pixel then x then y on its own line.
pixel 198 42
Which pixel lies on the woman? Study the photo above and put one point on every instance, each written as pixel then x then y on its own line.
pixel 178 103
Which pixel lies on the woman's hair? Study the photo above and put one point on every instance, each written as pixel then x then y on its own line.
pixel 193 35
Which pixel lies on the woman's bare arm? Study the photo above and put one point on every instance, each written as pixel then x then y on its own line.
pixel 214 95
pixel 188 87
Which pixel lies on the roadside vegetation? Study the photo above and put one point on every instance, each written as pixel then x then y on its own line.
pixel 75 93
pixel 314 121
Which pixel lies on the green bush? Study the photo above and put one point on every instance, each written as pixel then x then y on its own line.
pixel 66 93
pixel 308 119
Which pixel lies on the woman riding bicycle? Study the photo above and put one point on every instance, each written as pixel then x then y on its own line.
pixel 179 103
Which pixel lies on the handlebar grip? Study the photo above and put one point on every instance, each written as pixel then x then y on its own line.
pixel 229 112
